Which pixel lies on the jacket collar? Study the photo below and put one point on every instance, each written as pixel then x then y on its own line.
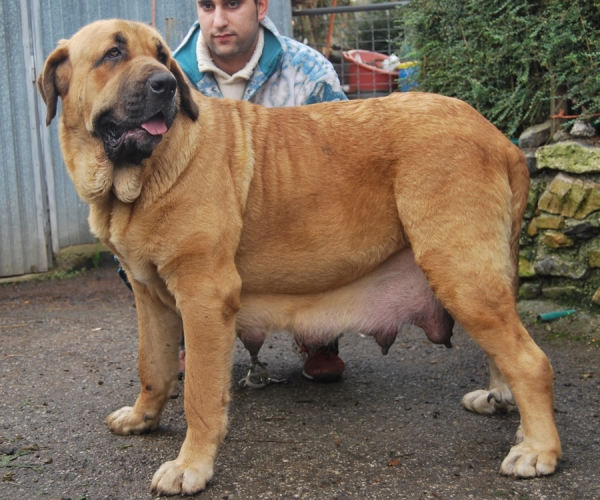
pixel 185 55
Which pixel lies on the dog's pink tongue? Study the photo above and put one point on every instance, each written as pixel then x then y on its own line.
pixel 155 126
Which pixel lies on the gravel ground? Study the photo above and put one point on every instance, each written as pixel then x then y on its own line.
pixel 393 428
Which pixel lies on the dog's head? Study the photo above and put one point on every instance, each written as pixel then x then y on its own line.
pixel 121 91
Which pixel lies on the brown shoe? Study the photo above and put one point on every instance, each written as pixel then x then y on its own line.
pixel 323 364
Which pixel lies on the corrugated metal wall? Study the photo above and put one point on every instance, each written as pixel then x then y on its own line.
pixel 40 212
pixel 23 221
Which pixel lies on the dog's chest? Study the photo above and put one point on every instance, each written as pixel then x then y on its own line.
pixel 137 256
pixel 143 271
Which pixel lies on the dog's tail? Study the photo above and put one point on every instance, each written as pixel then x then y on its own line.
pixel 518 178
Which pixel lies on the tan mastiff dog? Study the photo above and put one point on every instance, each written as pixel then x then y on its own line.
pixel 233 218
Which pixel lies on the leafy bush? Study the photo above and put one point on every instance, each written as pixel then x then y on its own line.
pixel 508 58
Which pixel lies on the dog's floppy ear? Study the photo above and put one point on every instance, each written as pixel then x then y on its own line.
pixel 54 79
pixel 187 103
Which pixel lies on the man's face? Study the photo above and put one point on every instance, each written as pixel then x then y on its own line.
pixel 230 29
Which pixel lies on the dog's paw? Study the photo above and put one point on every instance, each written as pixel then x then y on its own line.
pixel 525 461
pixel 127 421
pixel 489 402
pixel 180 478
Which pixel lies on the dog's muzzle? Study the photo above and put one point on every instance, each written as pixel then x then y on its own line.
pixel 143 113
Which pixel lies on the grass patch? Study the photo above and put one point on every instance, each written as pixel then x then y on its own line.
pixel 61 275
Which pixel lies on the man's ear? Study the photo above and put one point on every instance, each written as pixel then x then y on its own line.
pixel 261 7
pixel 54 80
pixel 187 103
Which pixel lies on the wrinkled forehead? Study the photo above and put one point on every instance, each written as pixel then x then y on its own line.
pixel 96 38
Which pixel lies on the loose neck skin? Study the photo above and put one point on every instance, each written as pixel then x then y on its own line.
pixel 182 147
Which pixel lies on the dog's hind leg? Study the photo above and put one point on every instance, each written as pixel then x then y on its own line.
pixel 465 241
pixel 478 294
pixel 499 332
pixel 497 399
pixel 474 286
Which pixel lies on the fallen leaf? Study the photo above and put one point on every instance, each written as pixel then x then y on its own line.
pixel 394 462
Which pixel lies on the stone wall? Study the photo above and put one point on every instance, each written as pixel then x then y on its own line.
pixel 560 240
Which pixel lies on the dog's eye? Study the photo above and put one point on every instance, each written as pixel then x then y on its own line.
pixel 113 53
pixel 162 57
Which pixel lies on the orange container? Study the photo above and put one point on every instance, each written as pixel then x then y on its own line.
pixel 366 72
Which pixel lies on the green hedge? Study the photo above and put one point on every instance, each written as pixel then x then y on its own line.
pixel 507 58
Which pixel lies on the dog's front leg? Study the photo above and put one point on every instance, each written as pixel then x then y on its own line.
pixel 208 307
pixel 160 330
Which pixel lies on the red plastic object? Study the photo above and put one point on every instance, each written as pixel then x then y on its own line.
pixel 366 73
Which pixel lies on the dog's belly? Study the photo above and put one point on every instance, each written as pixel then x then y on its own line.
pixel 393 294
pixel 318 257
pixel 293 272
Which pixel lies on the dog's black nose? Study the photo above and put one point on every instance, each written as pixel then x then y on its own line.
pixel 162 83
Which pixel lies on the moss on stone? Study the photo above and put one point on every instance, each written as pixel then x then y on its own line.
pixel 570 157
pixel 560 292
pixel 536 187
pixel 552 199
pixel 554 265
pixel 570 197
pixel 574 198
pixel 528 291
pixel 592 201
pixel 554 239
pixel 545 221
pixel 594 258
pixel 532 229
pixel 526 268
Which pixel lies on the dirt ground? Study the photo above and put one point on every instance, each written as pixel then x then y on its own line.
pixel 393 428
